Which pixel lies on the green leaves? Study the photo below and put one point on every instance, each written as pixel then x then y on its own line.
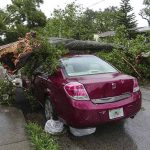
pixel 26 11
pixel 40 139
pixel 46 55
pixel 145 12
pixel 106 20
pixel 75 22
pixel 126 18
pixel 128 60
pixel 64 22
pixel 7 94
pixel 20 17
pixel 14 32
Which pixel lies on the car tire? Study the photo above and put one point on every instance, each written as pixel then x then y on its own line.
pixel 49 110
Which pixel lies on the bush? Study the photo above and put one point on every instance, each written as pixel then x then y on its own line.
pixel 30 97
pixel 130 66
pixel 129 60
pixel 115 58
pixel 7 94
pixel 45 55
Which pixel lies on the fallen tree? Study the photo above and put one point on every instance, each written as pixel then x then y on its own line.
pixel 15 55
pixel 31 52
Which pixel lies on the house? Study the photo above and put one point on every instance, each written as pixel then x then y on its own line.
pixel 109 34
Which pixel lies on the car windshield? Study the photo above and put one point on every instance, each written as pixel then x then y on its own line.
pixel 86 65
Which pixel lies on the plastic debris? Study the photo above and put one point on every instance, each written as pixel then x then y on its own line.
pixel 15 79
pixel 2 72
pixel 82 132
pixel 17 82
pixel 53 126
pixel 5 97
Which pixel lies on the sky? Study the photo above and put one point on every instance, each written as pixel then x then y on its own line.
pixel 49 6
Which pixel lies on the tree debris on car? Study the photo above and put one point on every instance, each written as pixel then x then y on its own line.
pixel 13 56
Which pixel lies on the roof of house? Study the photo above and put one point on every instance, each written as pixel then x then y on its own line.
pixel 112 33
pixel 143 29
pixel 106 34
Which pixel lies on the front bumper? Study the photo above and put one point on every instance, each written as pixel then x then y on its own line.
pixel 87 114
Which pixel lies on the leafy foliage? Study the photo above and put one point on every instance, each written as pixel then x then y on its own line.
pixel 115 58
pixel 40 139
pixel 126 17
pixel 145 12
pixel 26 11
pixel 31 98
pixel 128 60
pixel 7 94
pixel 106 20
pixel 86 25
pixel 3 18
pixel 73 22
pixel 45 55
pixel 64 22
pixel 121 36
pixel 20 17
pixel 3 23
pixel 14 32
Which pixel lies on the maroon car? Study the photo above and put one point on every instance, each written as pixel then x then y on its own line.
pixel 86 91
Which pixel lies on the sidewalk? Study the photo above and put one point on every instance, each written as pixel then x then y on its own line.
pixel 12 130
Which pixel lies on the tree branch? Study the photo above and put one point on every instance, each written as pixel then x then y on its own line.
pixel 144 18
pixel 132 66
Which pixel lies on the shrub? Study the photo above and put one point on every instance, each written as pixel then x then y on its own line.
pixel 127 60
pixel 45 55
pixel 30 97
pixel 7 93
pixel 115 58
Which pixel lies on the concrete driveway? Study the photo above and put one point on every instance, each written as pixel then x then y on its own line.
pixel 12 130
pixel 133 134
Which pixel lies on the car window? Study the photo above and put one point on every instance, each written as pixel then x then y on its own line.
pixel 86 65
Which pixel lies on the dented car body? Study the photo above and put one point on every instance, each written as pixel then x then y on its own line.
pixel 87 91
